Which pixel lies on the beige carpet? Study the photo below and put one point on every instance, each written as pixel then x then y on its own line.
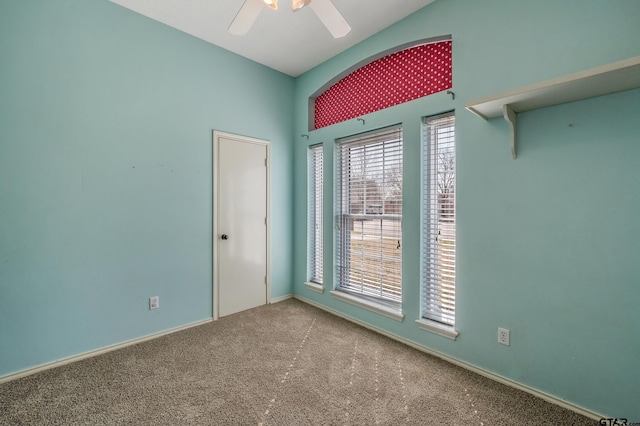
pixel 282 364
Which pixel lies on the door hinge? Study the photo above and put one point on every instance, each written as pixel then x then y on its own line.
pixel 265 220
pixel 265 162
pixel 265 280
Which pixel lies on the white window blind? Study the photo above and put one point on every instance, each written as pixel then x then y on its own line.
pixel 369 216
pixel 315 212
pixel 439 269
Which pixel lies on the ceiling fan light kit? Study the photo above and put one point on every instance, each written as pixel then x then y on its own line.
pixel 296 5
pixel 273 4
pixel 324 10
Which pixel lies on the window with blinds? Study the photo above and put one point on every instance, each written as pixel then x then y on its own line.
pixel 369 215
pixel 439 227
pixel 315 213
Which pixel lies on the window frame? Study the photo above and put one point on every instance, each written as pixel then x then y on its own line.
pixel 438 266
pixel 315 185
pixel 387 142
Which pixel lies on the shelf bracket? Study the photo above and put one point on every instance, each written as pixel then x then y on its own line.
pixel 511 116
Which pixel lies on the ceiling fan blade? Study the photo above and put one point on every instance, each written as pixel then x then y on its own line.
pixel 246 16
pixel 330 17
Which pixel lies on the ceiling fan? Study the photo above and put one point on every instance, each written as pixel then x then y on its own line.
pixel 324 9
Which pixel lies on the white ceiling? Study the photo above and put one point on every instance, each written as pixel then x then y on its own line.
pixel 283 40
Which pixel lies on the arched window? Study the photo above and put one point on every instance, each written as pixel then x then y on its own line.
pixel 393 77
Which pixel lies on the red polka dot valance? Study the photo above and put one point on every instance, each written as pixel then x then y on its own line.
pixel 394 79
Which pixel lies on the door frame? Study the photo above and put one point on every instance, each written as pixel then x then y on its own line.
pixel 214 236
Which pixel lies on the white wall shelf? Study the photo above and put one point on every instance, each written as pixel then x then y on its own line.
pixel 603 80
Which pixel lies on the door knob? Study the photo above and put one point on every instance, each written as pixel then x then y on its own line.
pixel 224 237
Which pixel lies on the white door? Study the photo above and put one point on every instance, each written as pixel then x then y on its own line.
pixel 240 223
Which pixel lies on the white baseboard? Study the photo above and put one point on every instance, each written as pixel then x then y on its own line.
pixel 481 371
pixel 282 298
pixel 96 352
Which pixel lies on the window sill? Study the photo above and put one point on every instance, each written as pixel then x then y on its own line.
pixel 437 328
pixel 368 305
pixel 318 288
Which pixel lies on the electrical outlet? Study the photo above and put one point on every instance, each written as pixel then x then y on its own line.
pixel 503 336
pixel 154 302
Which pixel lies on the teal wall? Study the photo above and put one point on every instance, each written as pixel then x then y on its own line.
pixel 548 244
pixel 106 122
